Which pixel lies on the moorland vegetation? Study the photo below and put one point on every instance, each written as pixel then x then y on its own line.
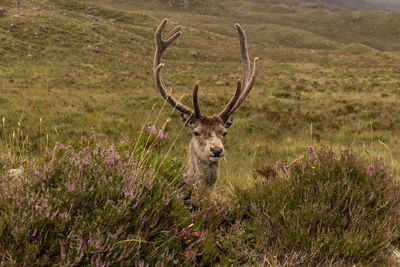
pixel 100 181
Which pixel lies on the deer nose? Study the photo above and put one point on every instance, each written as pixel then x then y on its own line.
pixel 216 151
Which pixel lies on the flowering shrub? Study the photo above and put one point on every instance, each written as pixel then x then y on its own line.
pixel 155 137
pixel 324 207
pixel 187 234
pixel 5 164
pixel 95 204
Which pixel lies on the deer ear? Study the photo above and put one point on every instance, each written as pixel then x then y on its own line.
pixel 188 120
pixel 228 122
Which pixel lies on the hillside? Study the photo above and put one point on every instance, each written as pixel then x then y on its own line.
pixel 84 67
pixel 363 4
pixel 286 22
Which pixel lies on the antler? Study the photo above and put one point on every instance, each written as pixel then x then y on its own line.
pixel 161 46
pixel 243 87
pixel 247 82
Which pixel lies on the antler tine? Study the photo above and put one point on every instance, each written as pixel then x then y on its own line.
pixel 248 87
pixel 245 54
pixel 195 101
pixel 248 82
pixel 163 90
pixel 174 31
pixel 161 45
pixel 224 113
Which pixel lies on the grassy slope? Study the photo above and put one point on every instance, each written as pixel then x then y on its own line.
pixel 320 67
pixel 364 4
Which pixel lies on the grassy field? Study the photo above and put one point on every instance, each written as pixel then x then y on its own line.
pixel 327 76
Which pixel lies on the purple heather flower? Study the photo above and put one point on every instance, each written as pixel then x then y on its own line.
pixel 162 134
pixel 371 168
pixel 286 168
pixel 152 128
pixel 204 216
pixel 278 164
pixel 310 150
pixel 184 232
pixel 70 187
pixel 197 233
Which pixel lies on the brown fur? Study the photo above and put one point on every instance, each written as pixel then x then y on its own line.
pixel 202 170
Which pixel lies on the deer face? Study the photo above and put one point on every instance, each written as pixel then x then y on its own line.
pixel 208 136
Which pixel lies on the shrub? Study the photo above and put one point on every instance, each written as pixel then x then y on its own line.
pixel 324 208
pixel 96 204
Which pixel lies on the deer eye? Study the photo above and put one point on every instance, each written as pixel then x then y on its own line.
pixel 196 133
pixel 224 134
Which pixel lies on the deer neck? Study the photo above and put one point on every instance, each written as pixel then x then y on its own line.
pixel 201 172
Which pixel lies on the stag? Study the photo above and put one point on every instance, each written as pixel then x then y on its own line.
pixel 206 146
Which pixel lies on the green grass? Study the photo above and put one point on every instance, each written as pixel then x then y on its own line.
pixel 318 67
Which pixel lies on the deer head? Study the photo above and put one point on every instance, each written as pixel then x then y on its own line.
pixel 206 146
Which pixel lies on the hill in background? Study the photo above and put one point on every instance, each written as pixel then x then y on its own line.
pixel 288 23
pixel 364 4
pixel 86 67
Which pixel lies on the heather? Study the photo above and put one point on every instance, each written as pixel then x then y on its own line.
pixel 93 203
pixel 102 203
pixel 324 208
